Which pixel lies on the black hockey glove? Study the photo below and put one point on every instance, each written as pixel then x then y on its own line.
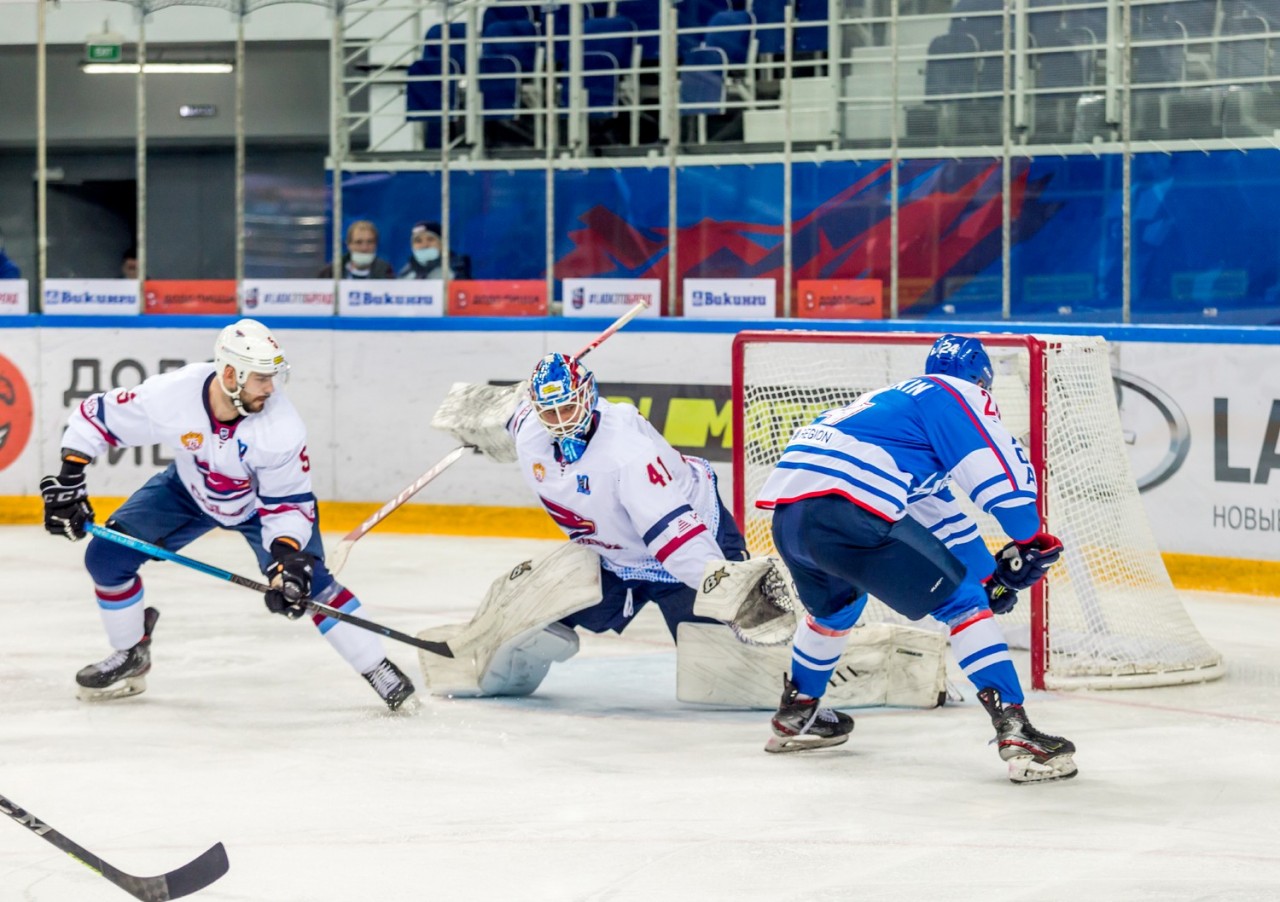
pixel 290 575
pixel 1020 565
pixel 66 505
pixel 1001 598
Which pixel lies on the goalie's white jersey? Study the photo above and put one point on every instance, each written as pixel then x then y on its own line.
pixel 258 463
pixel 648 511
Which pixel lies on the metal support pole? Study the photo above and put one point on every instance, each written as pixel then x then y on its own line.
pixel 1006 183
pixel 893 161
pixel 240 151
pixel 787 61
pixel 337 143
pixel 1126 156
pixel 550 155
pixel 42 156
pixel 446 197
pixel 141 165
pixel 671 102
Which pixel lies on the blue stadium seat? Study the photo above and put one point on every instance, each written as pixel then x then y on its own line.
pixel 1065 63
pixel 516 38
pixel 702 86
pixel 501 11
pixel 499 85
pixel 647 14
pixel 433 44
pixel 767 12
pixel 811 38
pixel 735 41
pixel 424 99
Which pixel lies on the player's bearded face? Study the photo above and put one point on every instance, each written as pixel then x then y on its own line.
pixel 257 389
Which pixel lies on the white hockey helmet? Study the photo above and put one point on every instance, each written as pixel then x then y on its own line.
pixel 247 347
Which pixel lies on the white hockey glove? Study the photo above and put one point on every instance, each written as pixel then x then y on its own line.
pixel 478 414
pixel 752 597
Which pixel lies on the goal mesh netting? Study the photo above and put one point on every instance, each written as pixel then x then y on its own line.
pixel 1107 616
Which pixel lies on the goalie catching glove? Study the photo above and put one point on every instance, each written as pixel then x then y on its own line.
pixel 290 575
pixel 752 597
pixel 1020 565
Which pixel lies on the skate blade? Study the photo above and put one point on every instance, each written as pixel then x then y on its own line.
pixel 802 743
pixel 129 686
pixel 409 706
pixel 1027 770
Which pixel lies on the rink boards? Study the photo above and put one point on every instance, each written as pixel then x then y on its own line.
pixel 1201 418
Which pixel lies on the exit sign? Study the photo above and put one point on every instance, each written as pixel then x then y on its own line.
pixel 103 53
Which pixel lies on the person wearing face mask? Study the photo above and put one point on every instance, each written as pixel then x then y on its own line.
pixel 424 260
pixel 361 261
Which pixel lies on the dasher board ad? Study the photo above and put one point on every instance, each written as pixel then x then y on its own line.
pixel 730 298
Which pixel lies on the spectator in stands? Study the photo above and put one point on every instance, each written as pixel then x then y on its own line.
pixel 129 264
pixel 361 261
pixel 8 269
pixel 424 260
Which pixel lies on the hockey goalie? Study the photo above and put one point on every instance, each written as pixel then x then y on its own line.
pixel 645 525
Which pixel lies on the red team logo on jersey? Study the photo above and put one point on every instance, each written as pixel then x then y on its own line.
pixel 15 412
pixel 577 526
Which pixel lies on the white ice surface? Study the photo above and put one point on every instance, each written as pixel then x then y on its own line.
pixel 600 787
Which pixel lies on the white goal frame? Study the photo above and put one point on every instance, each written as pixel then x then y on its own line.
pixel 1084 656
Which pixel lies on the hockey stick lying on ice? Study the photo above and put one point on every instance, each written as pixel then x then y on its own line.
pixel 102 532
pixel 338 559
pixel 190 878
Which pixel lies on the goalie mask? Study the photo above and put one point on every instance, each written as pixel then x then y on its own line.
pixel 964 358
pixel 247 347
pixel 564 394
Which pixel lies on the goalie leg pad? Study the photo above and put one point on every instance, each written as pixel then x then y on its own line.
pixel 752 597
pixel 517 607
pixel 520 666
pixel 883 664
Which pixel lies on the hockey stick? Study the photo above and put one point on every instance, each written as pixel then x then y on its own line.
pixel 338 559
pixel 190 878
pixel 155 551
pixel 635 310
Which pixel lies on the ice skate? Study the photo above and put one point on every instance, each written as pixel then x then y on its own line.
pixel 122 673
pixel 802 724
pixel 390 683
pixel 1033 757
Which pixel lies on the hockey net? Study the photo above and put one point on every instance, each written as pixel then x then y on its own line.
pixel 1107 616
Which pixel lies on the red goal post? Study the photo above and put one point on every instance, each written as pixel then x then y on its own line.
pixel 1108 615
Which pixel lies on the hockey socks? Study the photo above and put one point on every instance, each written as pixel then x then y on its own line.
pixel 121 610
pixel 982 653
pixel 817 647
pixel 360 648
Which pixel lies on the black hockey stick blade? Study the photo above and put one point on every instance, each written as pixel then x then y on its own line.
pixel 436 648
pixel 190 878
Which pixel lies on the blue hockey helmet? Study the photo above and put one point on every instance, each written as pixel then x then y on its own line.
pixel 964 358
pixel 564 394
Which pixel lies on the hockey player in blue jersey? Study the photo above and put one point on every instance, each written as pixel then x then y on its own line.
pixel 862 504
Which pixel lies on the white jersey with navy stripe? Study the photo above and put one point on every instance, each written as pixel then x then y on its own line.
pixel 896 451
pixel 648 511
pixel 258 463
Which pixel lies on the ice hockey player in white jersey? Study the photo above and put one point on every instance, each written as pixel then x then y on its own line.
pixel 645 524
pixel 240 463
pixel 862 504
